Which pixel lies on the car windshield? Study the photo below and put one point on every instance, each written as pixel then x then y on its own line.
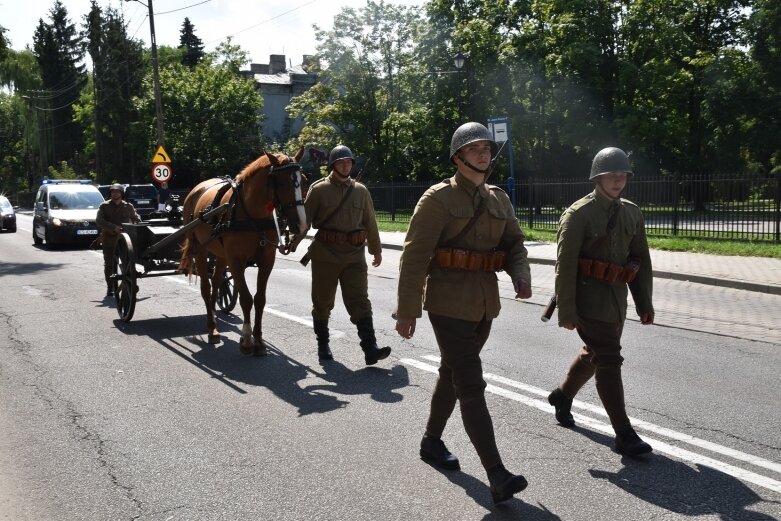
pixel 141 192
pixel 75 200
pixel 5 204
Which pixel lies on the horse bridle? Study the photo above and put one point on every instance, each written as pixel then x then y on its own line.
pixel 281 208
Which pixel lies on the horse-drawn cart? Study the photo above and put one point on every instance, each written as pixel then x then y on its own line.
pixel 151 249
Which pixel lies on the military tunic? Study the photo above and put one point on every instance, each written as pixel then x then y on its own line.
pixel 341 264
pixel 583 233
pixel 461 304
pixel 441 213
pixel 110 217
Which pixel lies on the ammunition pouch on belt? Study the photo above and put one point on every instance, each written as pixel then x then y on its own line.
pixel 610 273
pixel 356 238
pixel 469 260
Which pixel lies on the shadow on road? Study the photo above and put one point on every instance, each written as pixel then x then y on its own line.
pixel 681 488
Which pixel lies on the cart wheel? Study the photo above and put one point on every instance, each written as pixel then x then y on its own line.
pixel 124 279
pixel 228 293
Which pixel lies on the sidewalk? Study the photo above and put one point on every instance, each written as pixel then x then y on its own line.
pixel 758 274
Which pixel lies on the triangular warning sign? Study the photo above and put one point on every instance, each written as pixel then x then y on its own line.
pixel 161 156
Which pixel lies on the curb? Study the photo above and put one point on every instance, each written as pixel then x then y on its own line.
pixel 684 277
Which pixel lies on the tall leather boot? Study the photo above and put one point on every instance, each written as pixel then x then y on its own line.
pixel 372 353
pixel 321 331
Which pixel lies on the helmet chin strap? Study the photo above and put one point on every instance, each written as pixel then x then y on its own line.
pixel 484 171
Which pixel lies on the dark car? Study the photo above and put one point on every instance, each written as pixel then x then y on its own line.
pixel 7 215
pixel 143 198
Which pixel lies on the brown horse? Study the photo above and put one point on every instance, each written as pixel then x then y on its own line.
pixel 247 230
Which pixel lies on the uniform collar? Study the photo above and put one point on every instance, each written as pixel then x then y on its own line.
pixel 464 183
pixel 603 201
pixel 335 180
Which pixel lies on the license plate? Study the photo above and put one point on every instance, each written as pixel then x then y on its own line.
pixel 86 232
pixel 143 201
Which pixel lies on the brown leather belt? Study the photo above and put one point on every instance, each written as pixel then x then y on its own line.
pixel 607 271
pixel 469 260
pixel 356 238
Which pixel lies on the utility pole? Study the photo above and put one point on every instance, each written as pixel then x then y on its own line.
pixel 155 72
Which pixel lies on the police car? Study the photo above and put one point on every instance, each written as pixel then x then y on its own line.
pixel 65 212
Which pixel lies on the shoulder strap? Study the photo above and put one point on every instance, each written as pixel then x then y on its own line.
pixel 338 207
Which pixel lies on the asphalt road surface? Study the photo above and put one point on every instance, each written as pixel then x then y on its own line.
pixel 106 420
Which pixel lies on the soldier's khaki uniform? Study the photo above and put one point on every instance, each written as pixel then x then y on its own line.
pixel 109 219
pixel 341 264
pixel 461 304
pixel 597 307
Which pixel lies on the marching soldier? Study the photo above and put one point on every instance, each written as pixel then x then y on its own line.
pixel 112 214
pixel 602 247
pixel 462 231
pixel 342 211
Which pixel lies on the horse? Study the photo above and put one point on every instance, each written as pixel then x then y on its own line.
pixel 246 229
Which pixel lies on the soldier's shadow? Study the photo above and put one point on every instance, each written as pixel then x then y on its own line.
pixel 379 383
pixel 514 508
pixel 677 487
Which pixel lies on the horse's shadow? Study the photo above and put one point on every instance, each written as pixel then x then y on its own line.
pixel 680 488
pixel 279 373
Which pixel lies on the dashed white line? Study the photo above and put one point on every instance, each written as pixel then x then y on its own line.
pixel 659 446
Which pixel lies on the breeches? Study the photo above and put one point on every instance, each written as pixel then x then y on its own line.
pixel 108 261
pixel 353 279
pixel 461 379
pixel 600 357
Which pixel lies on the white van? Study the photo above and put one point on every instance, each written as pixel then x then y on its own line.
pixel 65 212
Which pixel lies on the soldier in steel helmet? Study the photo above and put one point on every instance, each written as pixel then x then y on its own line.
pixel 112 214
pixel 462 231
pixel 602 250
pixel 342 211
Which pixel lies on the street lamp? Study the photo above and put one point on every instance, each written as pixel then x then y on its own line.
pixel 458 60
pixel 155 72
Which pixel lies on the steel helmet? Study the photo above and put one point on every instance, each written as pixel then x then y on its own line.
pixel 339 152
pixel 469 133
pixel 609 160
pixel 117 186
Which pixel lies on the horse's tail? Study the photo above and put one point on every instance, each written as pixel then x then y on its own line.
pixel 186 263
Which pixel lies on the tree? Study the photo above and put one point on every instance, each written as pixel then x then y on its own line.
pixel 118 69
pixel 364 98
pixel 57 48
pixel 192 45
pixel 212 118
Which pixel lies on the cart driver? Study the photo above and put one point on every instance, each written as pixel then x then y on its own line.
pixel 112 214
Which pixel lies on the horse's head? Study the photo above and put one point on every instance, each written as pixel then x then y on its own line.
pixel 288 188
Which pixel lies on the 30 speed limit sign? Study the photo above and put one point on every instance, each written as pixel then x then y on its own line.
pixel 161 173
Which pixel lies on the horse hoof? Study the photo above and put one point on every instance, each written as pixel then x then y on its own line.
pixel 261 350
pixel 214 339
pixel 246 348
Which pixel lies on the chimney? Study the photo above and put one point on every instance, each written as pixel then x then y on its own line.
pixel 276 64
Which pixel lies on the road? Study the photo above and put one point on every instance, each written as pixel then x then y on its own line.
pixel 146 421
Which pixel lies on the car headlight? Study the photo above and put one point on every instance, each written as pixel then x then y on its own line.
pixel 57 222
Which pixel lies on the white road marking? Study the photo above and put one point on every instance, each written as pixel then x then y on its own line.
pixel 658 445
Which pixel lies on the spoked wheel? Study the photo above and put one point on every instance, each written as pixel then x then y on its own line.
pixel 228 293
pixel 124 279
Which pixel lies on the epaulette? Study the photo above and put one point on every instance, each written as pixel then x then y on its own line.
pixel 317 182
pixel 494 187
pixel 584 201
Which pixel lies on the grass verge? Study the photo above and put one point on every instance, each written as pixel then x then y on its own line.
pixel 739 248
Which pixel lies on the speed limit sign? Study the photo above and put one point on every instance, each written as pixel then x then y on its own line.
pixel 161 173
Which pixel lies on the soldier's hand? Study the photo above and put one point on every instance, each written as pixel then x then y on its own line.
pixel 377 260
pixel 523 289
pixel 405 327
pixel 647 319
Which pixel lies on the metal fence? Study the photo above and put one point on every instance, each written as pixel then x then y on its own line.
pixel 687 207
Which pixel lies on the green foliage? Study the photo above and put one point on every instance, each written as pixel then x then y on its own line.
pixel 211 119
pixel 191 44
pixel 65 171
